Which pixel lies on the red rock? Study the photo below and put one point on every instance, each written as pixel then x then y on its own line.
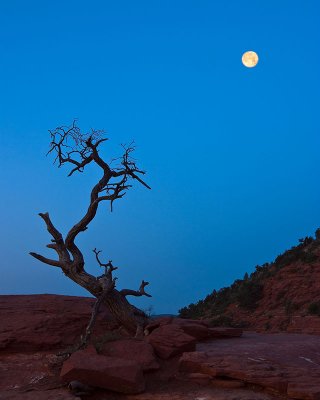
pixel 199 378
pixel 198 331
pixel 157 322
pixel 111 373
pixel 163 320
pixel 170 340
pixel 227 383
pixel 90 349
pixel 276 383
pixel 262 359
pixel 28 371
pixel 304 391
pixel 269 361
pixel 214 370
pixel 132 349
pixel 196 328
pixel 192 361
pixel 46 322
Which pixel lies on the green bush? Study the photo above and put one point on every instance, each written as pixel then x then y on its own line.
pixel 249 294
pixel 225 320
pixel 221 320
pixel 303 252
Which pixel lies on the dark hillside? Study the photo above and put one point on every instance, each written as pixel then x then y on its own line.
pixel 280 296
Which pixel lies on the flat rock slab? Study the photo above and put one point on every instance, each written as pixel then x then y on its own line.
pixel 288 364
pixel 111 373
pixel 170 340
pixel 199 332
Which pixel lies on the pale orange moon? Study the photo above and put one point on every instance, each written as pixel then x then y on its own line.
pixel 250 59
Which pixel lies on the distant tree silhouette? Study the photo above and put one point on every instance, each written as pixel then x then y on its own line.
pixel 76 149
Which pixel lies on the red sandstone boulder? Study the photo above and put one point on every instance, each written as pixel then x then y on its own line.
pixel 305 391
pixel 198 331
pixel 132 349
pixel 196 328
pixel 156 323
pixel 111 373
pixel 199 378
pixel 170 340
pixel 192 362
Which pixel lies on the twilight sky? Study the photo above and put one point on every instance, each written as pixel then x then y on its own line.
pixel 232 153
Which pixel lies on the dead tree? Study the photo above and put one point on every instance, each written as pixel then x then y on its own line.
pixel 78 150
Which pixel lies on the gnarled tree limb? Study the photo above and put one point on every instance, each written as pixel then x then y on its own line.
pixel 45 260
pixel 110 286
pixel 109 268
pixel 140 292
pixel 72 147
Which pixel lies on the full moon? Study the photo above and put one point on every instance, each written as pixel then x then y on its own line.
pixel 250 59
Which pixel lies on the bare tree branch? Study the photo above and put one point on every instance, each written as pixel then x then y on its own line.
pixel 51 228
pixel 95 311
pixel 109 268
pixel 80 166
pixel 140 292
pixel 58 244
pixel 45 260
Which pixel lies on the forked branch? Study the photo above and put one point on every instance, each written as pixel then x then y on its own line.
pixel 109 268
pixel 140 292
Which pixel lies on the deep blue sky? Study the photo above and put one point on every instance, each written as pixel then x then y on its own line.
pixel 232 153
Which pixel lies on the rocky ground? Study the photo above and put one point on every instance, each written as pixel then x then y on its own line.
pixel 177 359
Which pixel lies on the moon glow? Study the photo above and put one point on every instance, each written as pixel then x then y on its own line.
pixel 250 59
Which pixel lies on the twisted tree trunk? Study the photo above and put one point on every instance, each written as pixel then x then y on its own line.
pixel 82 151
